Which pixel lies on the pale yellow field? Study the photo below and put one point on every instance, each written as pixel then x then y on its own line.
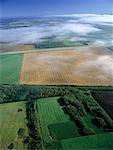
pixel 81 66
pixel 15 48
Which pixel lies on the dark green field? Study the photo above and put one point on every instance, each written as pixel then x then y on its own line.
pixel 64 130
pixel 50 113
pixel 56 126
pixel 10 68
pixel 92 142
pixel 52 42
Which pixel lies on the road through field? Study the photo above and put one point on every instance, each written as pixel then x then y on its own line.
pixel 81 66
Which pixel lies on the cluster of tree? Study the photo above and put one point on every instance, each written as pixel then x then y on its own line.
pixel 99 122
pixel 96 88
pixel 76 111
pixel 71 100
pixel 96 110
pixel 76 105
pixel 21 134
pixel 14 93
pixel 34 134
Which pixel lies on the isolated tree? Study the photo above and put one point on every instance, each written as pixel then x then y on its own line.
pixel 87 131
pixel 21 132
pixel 10 146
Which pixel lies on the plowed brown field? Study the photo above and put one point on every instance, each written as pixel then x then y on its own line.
pixel 86 66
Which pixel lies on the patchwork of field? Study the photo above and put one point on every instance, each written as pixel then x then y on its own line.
pixel 10 68
pixel 75 66
pixel 50 113
pixel 71 120
pixel 59 130
pixel 70 66
pixel 55 124
pixel 98 141
pixel 11 120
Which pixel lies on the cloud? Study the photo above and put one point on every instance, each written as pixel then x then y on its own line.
pixel 97 19
pixel 100 43
pixel 35 34
pixel 103 63
pixel 73 28
pixel 81 29
pixel 91 18
pixel 22 35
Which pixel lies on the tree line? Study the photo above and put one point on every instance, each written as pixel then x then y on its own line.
pixel 34 142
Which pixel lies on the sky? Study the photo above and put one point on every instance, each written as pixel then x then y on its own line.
pixel 36 8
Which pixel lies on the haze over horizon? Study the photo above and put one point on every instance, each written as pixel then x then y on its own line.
pixel 34 8
pixel 71 21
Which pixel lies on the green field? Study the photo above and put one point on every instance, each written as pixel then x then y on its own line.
pixel 53 119
pixel 94 142
pixel 11 120
pixel 64 121
pixel 88 119
pixel 10 68
pixel 64 130
pixel 53 43
pixel 58 131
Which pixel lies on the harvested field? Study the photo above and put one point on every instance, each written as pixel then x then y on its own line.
pixel 80 66
pixel 15 48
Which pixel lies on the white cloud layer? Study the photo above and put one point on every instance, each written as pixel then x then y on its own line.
pixel 80 25
pixel 81 29
pixel 97 19
pixel 91 17
pixel 22 35
pixel 103 63
pixel 34 34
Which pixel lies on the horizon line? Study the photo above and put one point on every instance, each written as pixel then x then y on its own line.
pixel 59 15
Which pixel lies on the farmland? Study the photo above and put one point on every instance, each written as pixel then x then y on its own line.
pixel 54 117
pixel 56 76
pixel 105 99
pixel 53 43
pixel 73 66
pixel 6 47
pixel 58 126
pixel 12 118
pixel 45 106
pixel 61 66
pixel 10 68
pixel 99 141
